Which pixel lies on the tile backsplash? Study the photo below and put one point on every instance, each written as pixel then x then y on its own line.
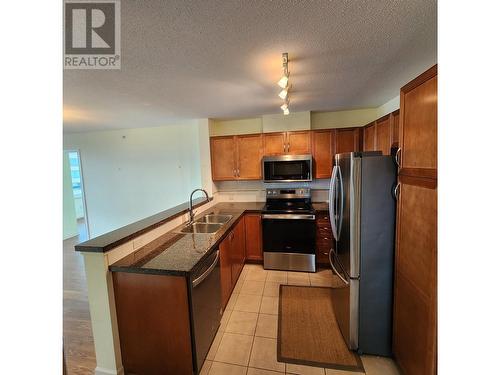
pixel 255 191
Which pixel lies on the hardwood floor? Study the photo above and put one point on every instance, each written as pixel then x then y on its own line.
pixel 77 330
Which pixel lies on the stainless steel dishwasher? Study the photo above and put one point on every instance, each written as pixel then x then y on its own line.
pixel 206 311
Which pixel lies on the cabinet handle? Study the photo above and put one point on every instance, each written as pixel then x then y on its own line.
pixel 284 146
pixel 238 172
pixel 398 157
pixel 234 172
pixel 397 190
pixel 288 147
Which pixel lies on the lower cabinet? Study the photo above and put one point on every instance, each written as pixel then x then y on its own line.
pixel 253 237
pixel 232 259
pixel 225 269
pixel 324 238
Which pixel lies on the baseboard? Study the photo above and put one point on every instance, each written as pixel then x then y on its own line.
pixel 105 371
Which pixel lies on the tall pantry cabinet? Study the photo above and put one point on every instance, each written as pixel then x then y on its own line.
pixel 415 285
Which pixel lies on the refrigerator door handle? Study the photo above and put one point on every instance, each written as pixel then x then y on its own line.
pixel 331 203
pixel 341 204
pixel 334 269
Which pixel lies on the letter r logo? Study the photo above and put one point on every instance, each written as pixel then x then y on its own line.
pixel 90 28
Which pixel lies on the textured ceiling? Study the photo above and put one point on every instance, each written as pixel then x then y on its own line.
pixel 221 59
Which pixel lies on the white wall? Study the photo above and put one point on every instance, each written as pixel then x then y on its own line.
pixel 134 173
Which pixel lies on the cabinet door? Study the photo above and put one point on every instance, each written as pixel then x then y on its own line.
pixel 346 140
pixel 383 130
pixel 299 142
pixel 395 127
pixel 274 143
pixel 222 153
pixel 249 151
pixel 369 138
pixel 238 250
pixel 225 269
pixel 418 125
pixel 322 153
pixel 415 278
pixel 253 237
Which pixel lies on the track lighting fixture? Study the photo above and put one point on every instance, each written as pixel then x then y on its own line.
pixel 285 84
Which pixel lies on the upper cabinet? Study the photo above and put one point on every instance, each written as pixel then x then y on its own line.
pixel 346 140
pixel 298 142
pixel 236 157
pixel 249 155
pixel 383 135
pixel 323 151
pixel 328 142
pixel 369 137
pixel 418 125
pixel 222 152
pixel 395 128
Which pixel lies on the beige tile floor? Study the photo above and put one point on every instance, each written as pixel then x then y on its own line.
pixel 246 341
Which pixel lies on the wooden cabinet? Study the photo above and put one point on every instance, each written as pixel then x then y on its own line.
pixel 395 128
pixel 323 152
pixel 369 137
pixel 324 238
pixel 275 143
pixel 249 156
pixel 346 140
pixel 298 142
pixel 238 250
pixel 236 157
pixel 253 237
pixel 232 259
pixel 225 269
pixel 152 313
pixel 328 142
pixel 222 152
pixel 383 135
pixel 415 285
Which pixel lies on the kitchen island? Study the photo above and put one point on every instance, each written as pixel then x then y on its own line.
pixel 169 294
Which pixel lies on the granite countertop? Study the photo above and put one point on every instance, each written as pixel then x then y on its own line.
pixel 110 240
pixel 177 253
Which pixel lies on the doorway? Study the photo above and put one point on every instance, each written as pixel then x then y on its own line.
pixel 78 195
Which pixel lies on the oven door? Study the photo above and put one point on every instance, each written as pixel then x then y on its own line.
pixel 287 168
pixel 288 233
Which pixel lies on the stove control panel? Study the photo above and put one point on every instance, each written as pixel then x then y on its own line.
pixel 288 193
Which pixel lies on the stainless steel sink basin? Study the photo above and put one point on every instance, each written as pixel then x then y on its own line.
pixel 212 218
pixel 201 228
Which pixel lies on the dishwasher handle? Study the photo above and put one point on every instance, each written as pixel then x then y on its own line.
pixel 205 274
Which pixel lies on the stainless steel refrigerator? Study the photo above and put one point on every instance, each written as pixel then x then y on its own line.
pixel 362 209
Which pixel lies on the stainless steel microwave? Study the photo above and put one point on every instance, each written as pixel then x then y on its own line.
pixel 287 168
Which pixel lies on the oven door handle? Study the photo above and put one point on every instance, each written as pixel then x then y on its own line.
pixel 289 216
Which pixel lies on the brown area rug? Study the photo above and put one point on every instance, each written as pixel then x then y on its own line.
pixel 308 333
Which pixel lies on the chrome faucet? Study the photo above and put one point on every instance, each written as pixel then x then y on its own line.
pixel 191 213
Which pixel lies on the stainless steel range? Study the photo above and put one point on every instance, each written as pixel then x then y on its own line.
pixel 288 230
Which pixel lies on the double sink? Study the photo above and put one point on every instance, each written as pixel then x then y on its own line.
pixel 210 223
